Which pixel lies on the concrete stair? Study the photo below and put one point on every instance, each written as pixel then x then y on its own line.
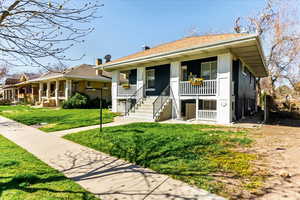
pixel 144 110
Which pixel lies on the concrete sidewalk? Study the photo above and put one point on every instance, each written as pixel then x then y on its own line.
pixel 107 177
pixel 118 121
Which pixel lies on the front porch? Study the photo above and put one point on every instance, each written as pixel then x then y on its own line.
pixel 135 86
pixel 53 92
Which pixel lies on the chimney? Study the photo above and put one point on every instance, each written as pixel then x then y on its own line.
pixel 145 47
pixel 99 72
pixel 99 61
pixel 107 58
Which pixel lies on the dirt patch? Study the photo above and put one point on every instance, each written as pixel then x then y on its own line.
pixel 279 146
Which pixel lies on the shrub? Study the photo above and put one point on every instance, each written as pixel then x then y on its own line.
pixel 5 102
pixel 76 101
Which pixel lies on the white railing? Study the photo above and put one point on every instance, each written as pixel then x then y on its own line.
pixel 126 92
pixel 208 87
pixel 209 115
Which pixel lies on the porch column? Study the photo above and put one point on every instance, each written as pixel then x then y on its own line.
pixel 41 88
pixel 224 89
pixel 14 94
pixel 197 108
pixel 174 85
pixel 4 95
pixel 68 89
pixel 140 79
pixel 48 90
pixel 56 92
pixel 114 89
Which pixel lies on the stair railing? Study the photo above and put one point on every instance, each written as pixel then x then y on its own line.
pixel 134 100
pixel 173 103
pixel 160 101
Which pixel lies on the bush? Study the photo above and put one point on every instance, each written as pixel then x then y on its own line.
pixel 5 102
pixel 76 101
pixel 83 101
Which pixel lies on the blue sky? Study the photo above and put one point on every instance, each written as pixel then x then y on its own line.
pixel 126 25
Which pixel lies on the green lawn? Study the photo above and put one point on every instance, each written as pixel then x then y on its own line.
pixel 55 119
pixel 197 154
pixel 23 176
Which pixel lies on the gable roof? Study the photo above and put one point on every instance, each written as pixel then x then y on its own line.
pixel 180 44
pixel 186 45
pixel 83 71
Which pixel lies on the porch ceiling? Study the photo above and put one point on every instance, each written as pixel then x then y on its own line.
pixel 251 54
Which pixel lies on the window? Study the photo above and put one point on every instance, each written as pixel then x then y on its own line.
pixel 209 70
pixel 88 84
pixel 150 79
pixel 184 75
pixel 207 105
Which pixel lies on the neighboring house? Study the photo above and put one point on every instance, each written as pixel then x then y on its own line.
pixel 9 89
pixel 17 88
pixel 55 87
pixel 164 82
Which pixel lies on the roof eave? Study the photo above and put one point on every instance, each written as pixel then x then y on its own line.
pixel 170 53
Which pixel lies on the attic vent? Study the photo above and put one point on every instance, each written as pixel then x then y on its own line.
pixel 145 47
pixel 107 58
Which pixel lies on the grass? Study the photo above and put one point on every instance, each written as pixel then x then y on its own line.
pixel 23 176
pixel 55 119
pixel 200 155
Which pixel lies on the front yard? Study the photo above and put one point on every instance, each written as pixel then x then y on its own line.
pixel 210 157
pixel 50 120
pixel 23 176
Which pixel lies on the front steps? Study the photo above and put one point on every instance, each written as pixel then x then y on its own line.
pixel 144 111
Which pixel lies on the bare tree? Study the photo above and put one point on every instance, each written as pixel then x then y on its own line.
pixel 32 31
pixel 278 26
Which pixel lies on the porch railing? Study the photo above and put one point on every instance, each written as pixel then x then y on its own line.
pixel 209 115
pixel 208 87
pixel 126 92
pixel 62 93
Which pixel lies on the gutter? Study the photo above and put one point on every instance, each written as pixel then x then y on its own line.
pixel 181 51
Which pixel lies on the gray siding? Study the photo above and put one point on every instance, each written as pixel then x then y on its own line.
pixel 244 91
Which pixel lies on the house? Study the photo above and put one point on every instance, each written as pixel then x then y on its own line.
pixel 55 87
pixel 17 88
pixel 207 78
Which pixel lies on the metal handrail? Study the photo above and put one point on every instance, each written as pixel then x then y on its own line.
pixel 136 97
pixel 174 102
pixel 161 100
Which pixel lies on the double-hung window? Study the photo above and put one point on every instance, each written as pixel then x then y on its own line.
pixel 209 70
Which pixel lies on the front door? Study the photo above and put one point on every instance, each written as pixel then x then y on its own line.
pixel 157 79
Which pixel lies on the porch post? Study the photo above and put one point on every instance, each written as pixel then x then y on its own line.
pixel 14 94
pixel 48 90
pixel 41 88
pixel 224 89
pixel 114 89
pixel 140 78
pixel 197 108
pixel 174 85
pixel 68 89
pixel 56 92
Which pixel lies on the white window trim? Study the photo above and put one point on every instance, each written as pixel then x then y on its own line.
pixel 210 71
pixel 209 100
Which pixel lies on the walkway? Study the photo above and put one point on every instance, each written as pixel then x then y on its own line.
pixel 117 121
pixel 107 177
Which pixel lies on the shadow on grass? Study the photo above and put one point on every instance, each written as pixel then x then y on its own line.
pixel 26 182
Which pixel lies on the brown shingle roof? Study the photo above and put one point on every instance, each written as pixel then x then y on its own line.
pixel 186 42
